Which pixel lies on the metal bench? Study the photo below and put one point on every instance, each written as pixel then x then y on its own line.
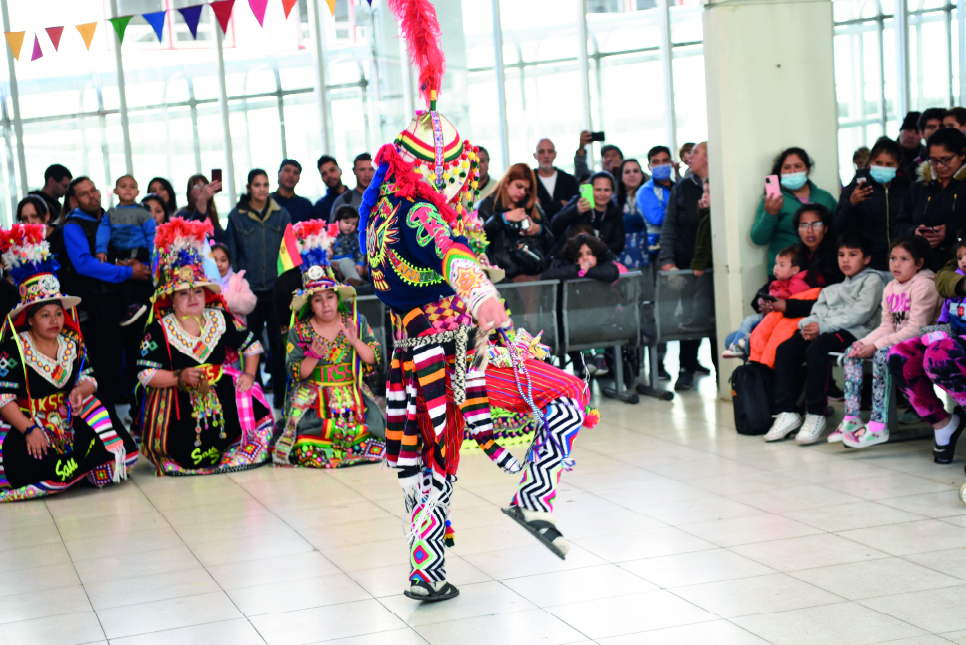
pixel 533 306
pixel 677 305
pixel 596 315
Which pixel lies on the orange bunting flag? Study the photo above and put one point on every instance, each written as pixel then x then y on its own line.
pixel 331 4
pixel 87 32
pixel 287 5
pixel 54 33
pixel 15 40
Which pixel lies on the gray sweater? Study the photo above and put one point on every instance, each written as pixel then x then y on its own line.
pixel 854 305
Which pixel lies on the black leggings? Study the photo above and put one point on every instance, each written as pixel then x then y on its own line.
pixel 788 361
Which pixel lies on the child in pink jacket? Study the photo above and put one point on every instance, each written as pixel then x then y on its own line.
pixel 234 287
pixel 909 303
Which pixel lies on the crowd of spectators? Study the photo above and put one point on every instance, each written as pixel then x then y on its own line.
pixel 542 222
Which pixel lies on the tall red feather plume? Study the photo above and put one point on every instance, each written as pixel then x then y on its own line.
pixel 420 28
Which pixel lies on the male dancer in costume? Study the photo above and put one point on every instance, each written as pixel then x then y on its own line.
pixel 422 268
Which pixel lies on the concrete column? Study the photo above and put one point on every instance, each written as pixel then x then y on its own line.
pixel 770 85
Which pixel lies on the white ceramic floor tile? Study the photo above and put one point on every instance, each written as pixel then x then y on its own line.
pixel 852 516
pixel 706 509
pixel 161 586
pixel 888 486
pixel 136 565
pixel 250 548
pixel 293 595
pixel 910 537
pixel 63 600
pixel 24 581
pixel 479 599
pixel 392 580
pixel 763 594
pixel 936 610
pixel 406 636
pixel 326 623
pixel 941 504
pixel 579 585
pixel 807 552
pixel 167 614
pixel 530 560
pixel 630 614
pixel 521 628
pixel 951 562
pixel 62 629
pixel 650 543
pixel 227 632
pixel 796 498
pixel 759 527
pixel 843 624
pixel 695 568
pixel 888 576
pixel 718 632
pixel 281 568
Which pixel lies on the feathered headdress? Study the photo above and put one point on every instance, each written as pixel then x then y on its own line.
pixel 27 254
pixel 429 151
pixel 314 239
pixel 179 256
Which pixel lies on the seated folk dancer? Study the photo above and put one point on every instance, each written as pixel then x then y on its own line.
pixel 54 431
pixel 201 416
pixel 331 417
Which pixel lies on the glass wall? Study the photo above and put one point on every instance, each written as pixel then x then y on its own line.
pixel 876 85
pixel 646 87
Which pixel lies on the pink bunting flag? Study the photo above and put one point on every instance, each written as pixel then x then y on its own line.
pixel 258 8
pixel 222 9
pixel 55 33
pixel 37 51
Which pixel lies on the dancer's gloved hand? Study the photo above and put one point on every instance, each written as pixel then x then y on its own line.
pixel 504 459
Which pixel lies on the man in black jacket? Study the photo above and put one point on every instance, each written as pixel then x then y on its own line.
pixel 554 186
pixel 678 239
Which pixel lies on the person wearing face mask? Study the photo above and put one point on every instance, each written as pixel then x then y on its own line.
pixel 932 207
pixel 652 198
pixel 773 220
pixel 603 215
pixel 872 202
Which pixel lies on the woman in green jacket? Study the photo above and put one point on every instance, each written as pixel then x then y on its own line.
pixel 773 221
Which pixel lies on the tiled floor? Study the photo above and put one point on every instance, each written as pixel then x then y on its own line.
pixel 682 532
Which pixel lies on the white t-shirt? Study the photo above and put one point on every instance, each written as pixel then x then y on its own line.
pixel 550 183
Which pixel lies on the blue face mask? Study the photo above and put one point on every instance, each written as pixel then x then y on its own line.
pixel 794 180
pixel 661 172
pixel 881 174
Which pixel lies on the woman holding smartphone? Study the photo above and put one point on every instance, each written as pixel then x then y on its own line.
pixel 933 207
pixel 773 220
pixel 873 201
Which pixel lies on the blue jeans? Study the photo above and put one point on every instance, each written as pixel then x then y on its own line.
pixel 747 326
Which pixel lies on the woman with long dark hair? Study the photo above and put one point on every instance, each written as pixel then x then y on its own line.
pixel 201 204
pixel 630 177
pixel 163 188
pixel 515 225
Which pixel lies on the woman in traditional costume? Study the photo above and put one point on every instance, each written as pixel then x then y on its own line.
pixel 54 431
pixel 200 416
pixel 332 419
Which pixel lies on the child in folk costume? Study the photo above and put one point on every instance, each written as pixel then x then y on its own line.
pixel 422 268
pixel 331 417
pixel 54 432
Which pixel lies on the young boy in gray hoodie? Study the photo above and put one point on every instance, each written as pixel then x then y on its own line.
pixel 843 313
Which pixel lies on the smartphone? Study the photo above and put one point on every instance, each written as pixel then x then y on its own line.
pixel 923 227
pixel 587 192
pixel 597 136
pixel 216 175
pixel 862 176
pixel 773 186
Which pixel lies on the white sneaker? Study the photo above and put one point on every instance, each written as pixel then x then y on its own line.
pixel 785 423
pixel 847 426
pixel 811 431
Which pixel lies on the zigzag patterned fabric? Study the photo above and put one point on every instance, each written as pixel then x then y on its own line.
pixel 429 522
pixel 96 416
pixel 538 488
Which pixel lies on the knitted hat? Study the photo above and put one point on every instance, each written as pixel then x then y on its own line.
pixel 27 254
pixel 314 238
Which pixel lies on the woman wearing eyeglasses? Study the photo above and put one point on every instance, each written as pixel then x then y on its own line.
pixel 932 207
pixel 773 221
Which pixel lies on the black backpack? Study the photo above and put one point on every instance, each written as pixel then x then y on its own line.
pixel 751 391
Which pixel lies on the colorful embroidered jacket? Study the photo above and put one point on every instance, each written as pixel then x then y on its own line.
pixel 414 257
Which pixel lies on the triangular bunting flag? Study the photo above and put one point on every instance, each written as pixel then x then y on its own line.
pixel 87 32
pixel 331 4
pixel 222 9
pixel 55 33
pixel 37 51
pixel 191 16
pixel 120 24
pixel 287 5
pixel 156 20
pixel 15 40
pixel 258 8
